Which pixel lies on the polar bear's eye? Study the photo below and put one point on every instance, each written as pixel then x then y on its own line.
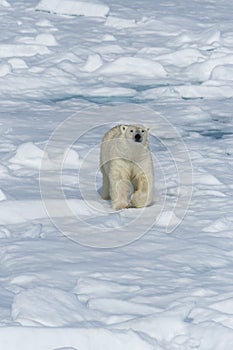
pixel 131 130
pixel 143 130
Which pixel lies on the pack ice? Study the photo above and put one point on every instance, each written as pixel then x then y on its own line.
pixel 76 275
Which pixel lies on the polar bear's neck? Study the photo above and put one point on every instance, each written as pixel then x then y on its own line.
pixel 131 150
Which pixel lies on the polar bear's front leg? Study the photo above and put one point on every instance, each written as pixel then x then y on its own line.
pixel 105 192
pixel 119 192
pixel 142 196
pixel 120 188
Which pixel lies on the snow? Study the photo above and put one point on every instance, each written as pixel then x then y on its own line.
pixel 134 66
pixel 4 69
pixel 78 339
pixel 29 310
pixel 75 274
pixel 4 3
pixel 71 7
pixel 29 155
pixel 46 39
pixel 93 62
pixel 21 50
pixel 120 23
pixel 17 63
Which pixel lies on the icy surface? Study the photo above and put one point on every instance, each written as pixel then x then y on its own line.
pixel 159 291
pixel 72 7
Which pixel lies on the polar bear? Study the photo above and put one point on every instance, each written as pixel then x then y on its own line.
pixel 127 167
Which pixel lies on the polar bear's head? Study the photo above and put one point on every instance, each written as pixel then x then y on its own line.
pixel 136 133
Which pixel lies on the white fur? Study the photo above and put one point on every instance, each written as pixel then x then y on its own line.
pixel 127 168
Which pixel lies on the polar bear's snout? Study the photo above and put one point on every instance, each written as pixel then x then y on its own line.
pixel 138 137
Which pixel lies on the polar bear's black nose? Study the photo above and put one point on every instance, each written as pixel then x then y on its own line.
pixel 137 137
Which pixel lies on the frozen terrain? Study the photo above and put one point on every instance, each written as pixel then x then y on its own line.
pixel 74 274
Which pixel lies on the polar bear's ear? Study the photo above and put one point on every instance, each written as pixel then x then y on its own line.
pixel 123 128
pixel 148 130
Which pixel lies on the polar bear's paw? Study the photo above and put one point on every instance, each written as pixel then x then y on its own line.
pixel 139 199
pixel 118 205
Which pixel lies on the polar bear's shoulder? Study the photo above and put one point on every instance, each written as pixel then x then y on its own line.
pixel 113 133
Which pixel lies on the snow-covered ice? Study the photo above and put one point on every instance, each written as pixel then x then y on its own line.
pixel 134 66
pixel 71 7
pixel 75 275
